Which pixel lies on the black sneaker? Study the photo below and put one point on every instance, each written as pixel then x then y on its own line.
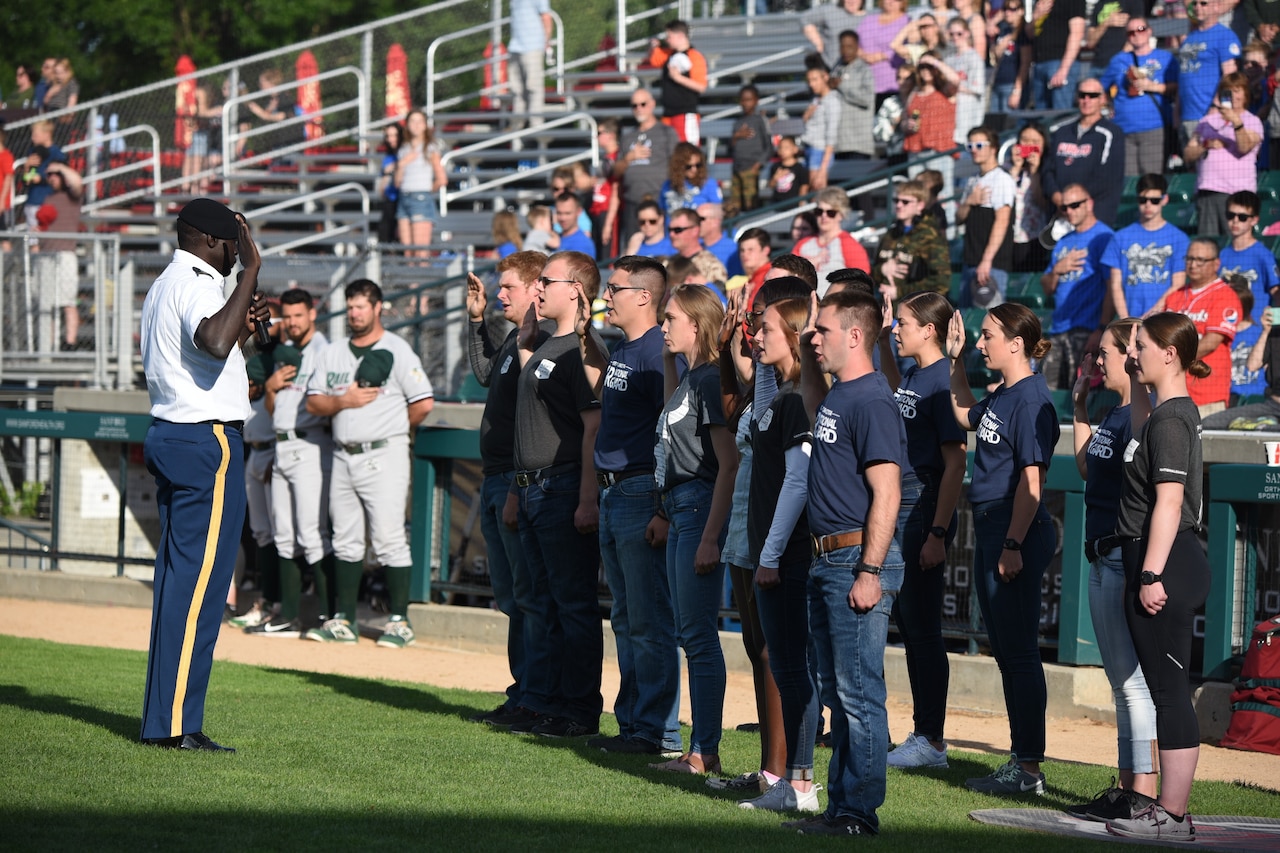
pixel 488 716
pixel 563 727
pixel 527 722
pixel 513 717
pixel 276 627
pixel 841 825
pixel 1111 804
pixel 624 746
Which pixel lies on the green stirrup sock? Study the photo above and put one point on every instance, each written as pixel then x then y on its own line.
pixel 268 572
pixel 398 589
pixel 347 577
pixel 325 584
pixel 290 588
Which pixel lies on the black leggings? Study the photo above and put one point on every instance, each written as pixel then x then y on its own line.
pixel 1163 641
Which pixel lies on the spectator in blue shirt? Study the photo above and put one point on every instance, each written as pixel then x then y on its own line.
pixel 1077 279
pixel 1244 255
pixel 1145 79
pixel 1146 258
pixel 1209 52
pixel 572 238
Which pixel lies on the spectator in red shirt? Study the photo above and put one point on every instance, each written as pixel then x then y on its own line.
pixel 1215 309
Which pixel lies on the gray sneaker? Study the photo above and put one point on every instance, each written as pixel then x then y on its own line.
pixel 397 634
pixel 746 783
pixel 916 751
pixel 1155 824
pixel 1008 780
pixel 335 630
pixel 781 797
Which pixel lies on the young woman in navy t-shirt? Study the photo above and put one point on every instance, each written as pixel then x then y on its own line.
pixel 1014 538
pixel 1100 460
pixel 931 484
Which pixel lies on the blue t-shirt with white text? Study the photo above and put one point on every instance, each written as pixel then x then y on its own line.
pixel 630 402
pixel 1079 295
pixel 1147 261
pixel 1256 264
pixel 1200 68
pixel 1017 426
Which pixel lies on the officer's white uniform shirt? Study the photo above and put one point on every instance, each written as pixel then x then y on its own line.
pixel 186 384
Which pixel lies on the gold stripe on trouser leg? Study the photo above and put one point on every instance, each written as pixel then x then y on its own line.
pixel 202 583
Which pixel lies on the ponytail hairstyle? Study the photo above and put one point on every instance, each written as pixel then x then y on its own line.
pixel 1171 329
pixel 931 309
pixel 1019 321
pixel 703 307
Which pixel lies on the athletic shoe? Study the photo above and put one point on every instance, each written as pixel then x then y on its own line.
pixel 397 634
pixel 487 716
pixel 625 746
pixel 781 797
pixel 335 630
pixel 278 627
pixel 1112 804
pixel 563 727
pixel 1008 780
pixel 823 825
pixel 916 751
pixel 515 716
pixel 1154 824
pixel 747 782
pixel 255 615
pixel 530 722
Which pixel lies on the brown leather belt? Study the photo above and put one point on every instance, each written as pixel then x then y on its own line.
pixel 833 541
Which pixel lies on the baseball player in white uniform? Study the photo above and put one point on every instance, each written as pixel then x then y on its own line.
pixel 303 460
pixel 261 441
pixel 374 389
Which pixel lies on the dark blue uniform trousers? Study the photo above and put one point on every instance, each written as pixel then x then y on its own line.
pixel 199 471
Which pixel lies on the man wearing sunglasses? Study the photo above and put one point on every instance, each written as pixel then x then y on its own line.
pixel 987 213
pixel 1144 80
pixel 1215 309
pixel 1209 52
pixel 557 418
pixel 1146 257
pixel 644 159
pixel 1088 151
pixel 1244 255
pixel 1077 280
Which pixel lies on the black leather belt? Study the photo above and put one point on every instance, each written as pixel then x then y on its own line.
pixel 607 479
pixel 1095 548
pixel 289 435
pixel 528 478
pixel 261 445
pixel 834 541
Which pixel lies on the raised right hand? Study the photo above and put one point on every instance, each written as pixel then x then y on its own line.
pixel 528 337
pixel 477 301
pixel 955 336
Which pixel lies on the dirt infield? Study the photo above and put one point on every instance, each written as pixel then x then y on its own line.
pixel 128 627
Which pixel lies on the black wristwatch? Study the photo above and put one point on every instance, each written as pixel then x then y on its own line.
pixel 868 569
pixel 940 532
pixel 1012 545
pixel 1149 578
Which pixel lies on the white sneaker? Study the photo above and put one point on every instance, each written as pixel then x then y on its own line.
pixel 781 797
pixel 253 617
pixel 397 634
pixel 916 751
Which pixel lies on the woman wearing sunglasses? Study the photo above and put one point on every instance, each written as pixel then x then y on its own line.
pixel 832 248
pixel 688 184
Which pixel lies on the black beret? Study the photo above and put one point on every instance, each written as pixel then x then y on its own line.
pixel 211 217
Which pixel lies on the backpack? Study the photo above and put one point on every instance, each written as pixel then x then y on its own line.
pixel 1255 703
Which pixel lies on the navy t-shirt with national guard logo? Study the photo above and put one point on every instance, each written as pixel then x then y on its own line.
pixel 1104 463
pixel 924 399
pixel 857 425
pixel 631 401
pixel 1017 426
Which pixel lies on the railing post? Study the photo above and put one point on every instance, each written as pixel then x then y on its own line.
pixel 91 162
pixel 366 64
pixel 622 35
pixel 124 322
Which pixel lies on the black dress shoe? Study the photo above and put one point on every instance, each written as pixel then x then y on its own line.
pixel 198 741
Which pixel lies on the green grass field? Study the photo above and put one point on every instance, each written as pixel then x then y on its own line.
pixel 332 762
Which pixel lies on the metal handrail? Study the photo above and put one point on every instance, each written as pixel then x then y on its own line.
pixel 432 75
pixel 232 135
pixel 90 177
pixel 307 199
pixel 733 70
pixel 593 151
